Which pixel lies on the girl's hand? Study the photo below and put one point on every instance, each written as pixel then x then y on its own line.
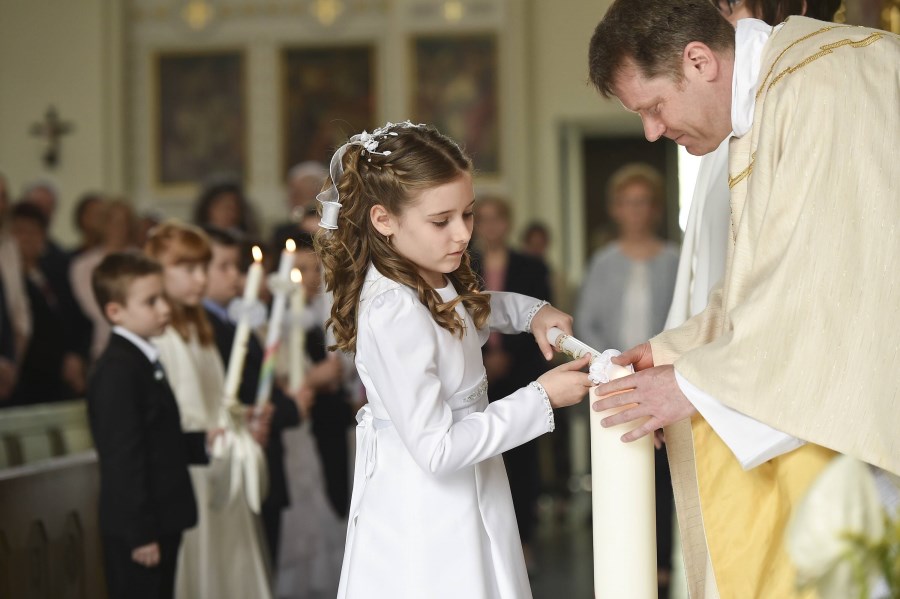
pixel 566 385
pixel 547 318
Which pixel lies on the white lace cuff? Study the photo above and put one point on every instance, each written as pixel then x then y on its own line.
pixel 551 421
pixel 531 314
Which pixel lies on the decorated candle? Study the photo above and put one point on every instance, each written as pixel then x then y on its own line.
pixel 242 332
pixel 623 496
pixel 281 286
pixel 297 339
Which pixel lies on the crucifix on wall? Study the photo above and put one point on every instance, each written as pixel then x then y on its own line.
pixel 51 129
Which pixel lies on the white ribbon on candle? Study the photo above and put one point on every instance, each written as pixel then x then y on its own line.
pixel 237 462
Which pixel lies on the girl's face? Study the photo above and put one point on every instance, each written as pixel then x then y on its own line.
pixel 185 282
pixel 433 232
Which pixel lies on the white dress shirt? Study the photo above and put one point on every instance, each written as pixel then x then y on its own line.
pixel 751 441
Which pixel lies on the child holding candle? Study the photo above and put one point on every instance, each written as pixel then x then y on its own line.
pixel 431 513
pixel 224 284
pixel 223 556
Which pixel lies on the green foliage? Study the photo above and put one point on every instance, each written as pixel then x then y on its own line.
pixel 881 556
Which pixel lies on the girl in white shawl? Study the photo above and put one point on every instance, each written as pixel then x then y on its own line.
pixel 223 555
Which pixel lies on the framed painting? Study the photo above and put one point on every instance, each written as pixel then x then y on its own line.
pixel 455 88
pixel 200 117
pixel 328 94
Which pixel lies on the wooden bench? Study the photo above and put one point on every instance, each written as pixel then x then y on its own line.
pixel 49 536
pixel 29 434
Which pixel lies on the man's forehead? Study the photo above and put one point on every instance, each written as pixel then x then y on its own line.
pixel 635 91
pixel 631 87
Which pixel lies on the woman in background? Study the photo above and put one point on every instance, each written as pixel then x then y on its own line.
pixel 222 204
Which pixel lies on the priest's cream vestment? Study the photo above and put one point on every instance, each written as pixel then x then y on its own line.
pixel 804 333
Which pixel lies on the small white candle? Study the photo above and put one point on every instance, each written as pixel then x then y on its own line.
pixel 242 333
pixel 281 289
pixel 298 333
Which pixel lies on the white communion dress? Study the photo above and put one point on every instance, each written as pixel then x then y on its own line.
pixel 431 513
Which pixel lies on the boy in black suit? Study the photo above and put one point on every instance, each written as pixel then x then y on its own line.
pixel 146 497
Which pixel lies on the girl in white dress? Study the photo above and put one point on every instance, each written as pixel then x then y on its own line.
pixel 223 555
pixel 431 513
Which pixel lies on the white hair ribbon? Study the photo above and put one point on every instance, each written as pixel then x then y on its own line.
pixel 330 199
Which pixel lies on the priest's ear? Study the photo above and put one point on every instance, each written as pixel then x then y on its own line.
pixel 700 62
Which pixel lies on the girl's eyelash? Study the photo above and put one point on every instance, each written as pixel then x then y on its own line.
pixel 442 223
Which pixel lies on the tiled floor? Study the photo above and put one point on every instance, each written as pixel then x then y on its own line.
pixel 563 556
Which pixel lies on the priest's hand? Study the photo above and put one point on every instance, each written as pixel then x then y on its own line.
pixel 641 356
pixel 653 392
pixel 545 319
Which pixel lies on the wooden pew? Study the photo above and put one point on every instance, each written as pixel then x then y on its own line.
pixel 49 536
pixel 32 433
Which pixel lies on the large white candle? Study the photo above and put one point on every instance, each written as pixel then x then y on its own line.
pixel 242 333
pixel 280 284
pixel 297 340
pixel 623 494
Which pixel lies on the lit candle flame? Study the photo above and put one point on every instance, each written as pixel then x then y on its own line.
pixel 257 254
pixel 289 245
pixel 296 276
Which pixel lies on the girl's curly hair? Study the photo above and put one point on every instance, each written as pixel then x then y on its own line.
pixel 420 158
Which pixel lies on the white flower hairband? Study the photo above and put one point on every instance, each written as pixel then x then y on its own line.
pixel 330 199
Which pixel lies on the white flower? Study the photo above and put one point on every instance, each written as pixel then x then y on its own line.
pixel 843 500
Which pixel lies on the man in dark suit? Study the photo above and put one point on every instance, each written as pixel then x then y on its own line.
pixel 222 287
pixel 54 263
pixel 146 497
pixel 7 350
pixel 46 364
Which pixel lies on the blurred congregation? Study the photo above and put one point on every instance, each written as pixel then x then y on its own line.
pixel 189 151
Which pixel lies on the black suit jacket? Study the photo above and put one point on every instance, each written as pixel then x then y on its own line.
pixel 145 488
pixel 284 416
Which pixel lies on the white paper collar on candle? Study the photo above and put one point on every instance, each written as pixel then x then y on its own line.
pixel 256 312
pixel 603 370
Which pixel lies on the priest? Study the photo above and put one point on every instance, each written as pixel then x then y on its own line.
pixel 794 358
